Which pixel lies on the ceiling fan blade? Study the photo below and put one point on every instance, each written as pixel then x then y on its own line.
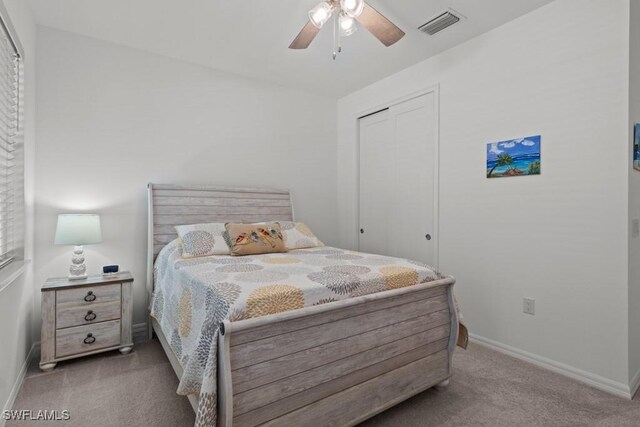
pixel 383 29
pixel 305 36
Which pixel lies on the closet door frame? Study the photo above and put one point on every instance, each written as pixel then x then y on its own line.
pixel 435 90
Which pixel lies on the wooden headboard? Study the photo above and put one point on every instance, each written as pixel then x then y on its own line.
pixel 171 205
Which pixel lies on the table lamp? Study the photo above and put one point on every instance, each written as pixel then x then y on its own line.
pixel 78 230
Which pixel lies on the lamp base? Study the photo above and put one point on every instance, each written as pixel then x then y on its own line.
pixel 77 270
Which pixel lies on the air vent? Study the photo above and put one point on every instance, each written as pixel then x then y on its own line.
pixel 439 23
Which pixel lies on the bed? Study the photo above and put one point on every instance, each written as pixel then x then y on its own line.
pixel 329 361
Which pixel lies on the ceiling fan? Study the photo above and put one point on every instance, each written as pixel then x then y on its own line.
pixel 345 14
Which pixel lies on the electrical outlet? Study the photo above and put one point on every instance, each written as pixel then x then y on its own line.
pixel 635 228
pixel 529 306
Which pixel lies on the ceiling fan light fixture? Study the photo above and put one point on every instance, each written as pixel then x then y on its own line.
pixel 361 14
pixel 352 8
pixel 347 25
pixel 320 14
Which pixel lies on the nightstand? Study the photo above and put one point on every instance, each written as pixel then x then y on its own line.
pixel 82 317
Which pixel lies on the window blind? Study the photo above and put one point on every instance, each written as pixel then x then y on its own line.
pixel 11 155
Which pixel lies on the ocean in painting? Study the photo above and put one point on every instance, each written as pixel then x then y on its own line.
pixel 516 157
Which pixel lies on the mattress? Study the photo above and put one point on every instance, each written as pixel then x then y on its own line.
pixel 192 296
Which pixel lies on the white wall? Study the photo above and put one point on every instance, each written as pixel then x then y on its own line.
pixel 111 119
pixel 561 237
pixel 16 300
pixel 634 199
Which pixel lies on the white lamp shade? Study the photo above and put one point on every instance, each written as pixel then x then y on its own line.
pixel 353 8
pixel 347 25
pixel 321 14
pixel 78 229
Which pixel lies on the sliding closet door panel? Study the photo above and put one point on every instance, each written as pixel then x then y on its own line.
pixel 414 190
pixel 397 175
pixel 377 177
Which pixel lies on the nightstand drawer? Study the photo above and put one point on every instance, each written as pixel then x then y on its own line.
pixel 83 339
pixel 88 295
pixel 67 316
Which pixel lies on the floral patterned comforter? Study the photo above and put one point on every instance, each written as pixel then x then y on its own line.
pixel 192 297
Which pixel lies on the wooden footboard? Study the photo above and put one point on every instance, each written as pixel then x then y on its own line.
pixel 338 363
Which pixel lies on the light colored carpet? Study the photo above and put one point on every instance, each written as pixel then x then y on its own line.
pixel 110 389
pixel 491 389
pixel 488 389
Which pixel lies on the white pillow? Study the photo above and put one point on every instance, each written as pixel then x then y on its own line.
pixel 298 236
pixel 200 240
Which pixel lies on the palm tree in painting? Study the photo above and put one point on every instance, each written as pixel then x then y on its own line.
pixel 503 160
pixel 534 168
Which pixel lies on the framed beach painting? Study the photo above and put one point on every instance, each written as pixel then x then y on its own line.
pixel 515 157
pixel 636 147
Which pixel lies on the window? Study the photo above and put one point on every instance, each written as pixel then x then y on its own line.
pixel 11 151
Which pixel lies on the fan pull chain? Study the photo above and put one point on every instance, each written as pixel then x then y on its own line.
pixel 338 32
pixel 336 37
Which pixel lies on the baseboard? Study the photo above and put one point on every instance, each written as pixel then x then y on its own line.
pixel 140 332
pixel 634 384
pixel 596 381
pixel 33 352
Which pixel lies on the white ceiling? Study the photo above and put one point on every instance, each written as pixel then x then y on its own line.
pixel 250 37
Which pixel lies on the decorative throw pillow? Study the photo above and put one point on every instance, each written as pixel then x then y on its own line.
pixel 200 240
pixel 251 239
pixel 298 236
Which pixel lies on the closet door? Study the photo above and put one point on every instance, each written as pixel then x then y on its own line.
pixel 414 184
pixel 397 190
pixel 377 176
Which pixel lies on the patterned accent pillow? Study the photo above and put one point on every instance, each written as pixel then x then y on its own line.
pixel 298 236
pixel 251 239
pixel 200 240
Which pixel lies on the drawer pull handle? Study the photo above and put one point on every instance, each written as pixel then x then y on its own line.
pixel 90 316
pixel 90 297
pixel 90 339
